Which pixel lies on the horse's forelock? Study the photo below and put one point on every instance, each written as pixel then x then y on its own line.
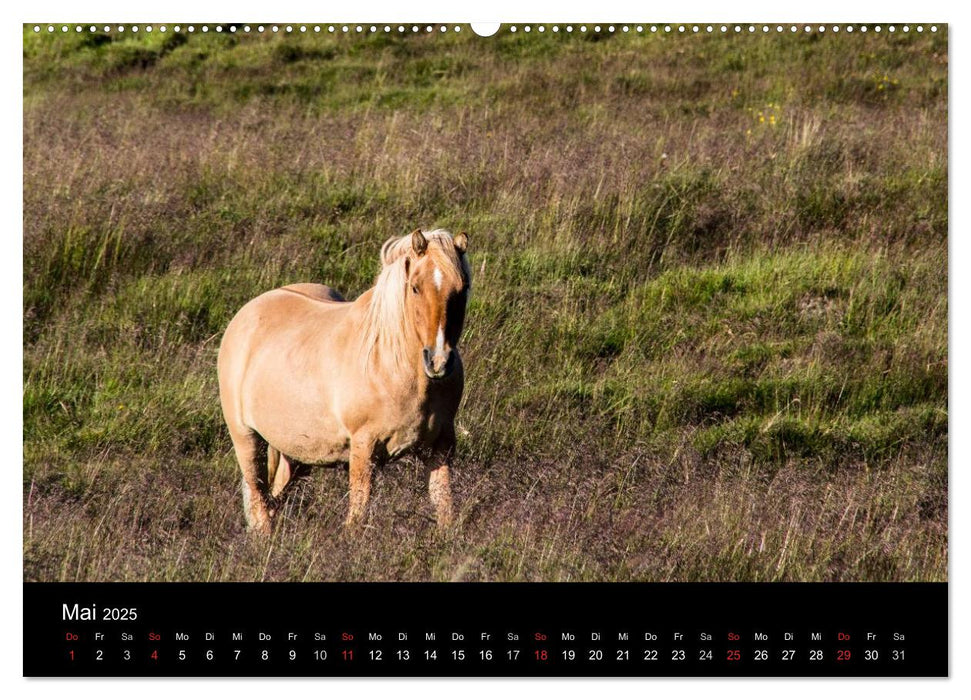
pixel 443 245
pixel 440 243
pixel 393 249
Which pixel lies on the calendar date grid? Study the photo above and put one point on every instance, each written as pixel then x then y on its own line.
pixel 344 648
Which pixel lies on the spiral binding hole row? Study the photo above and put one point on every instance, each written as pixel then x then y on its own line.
pixel 513 29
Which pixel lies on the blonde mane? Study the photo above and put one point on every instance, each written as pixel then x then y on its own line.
pixel 386 324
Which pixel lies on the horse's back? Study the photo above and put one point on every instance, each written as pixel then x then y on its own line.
pixel 289 309
pixel 321 292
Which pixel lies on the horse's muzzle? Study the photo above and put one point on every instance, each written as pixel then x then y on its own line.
pixel 438 365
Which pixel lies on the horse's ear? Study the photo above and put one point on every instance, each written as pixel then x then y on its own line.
pixel 419 242
pixel 461 242
pixel 386 257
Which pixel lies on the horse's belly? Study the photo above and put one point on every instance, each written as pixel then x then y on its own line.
pixel 304 429
pixel 321 454
pixel 318 443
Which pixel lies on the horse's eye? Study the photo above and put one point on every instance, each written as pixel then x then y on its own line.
pixel 414 288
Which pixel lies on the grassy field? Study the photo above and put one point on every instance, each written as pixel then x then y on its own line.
pixel 707 338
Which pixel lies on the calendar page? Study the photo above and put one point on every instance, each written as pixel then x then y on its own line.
pixel 545 349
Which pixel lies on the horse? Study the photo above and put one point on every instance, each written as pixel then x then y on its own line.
pixel 307 378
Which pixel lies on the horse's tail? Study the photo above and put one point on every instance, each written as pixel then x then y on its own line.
pixel 272 464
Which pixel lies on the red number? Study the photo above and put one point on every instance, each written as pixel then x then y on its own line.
pixel 541 655
pixel 155 654
pixel 71 652
pixel 734 655
pixel 348 654
pixel 842 654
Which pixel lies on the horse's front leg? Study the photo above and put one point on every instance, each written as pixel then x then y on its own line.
pixel 439 488
pixel 361 468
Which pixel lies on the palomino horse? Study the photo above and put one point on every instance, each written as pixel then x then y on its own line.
pixel 308 378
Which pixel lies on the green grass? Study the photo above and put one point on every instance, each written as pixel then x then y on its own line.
pixel 707 338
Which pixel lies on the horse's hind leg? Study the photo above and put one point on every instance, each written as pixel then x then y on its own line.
pixel 251 452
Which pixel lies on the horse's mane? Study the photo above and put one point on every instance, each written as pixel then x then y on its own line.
pixel 385 324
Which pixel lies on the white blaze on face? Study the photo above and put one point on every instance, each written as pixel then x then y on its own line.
pixel 440 340
pixel 437 276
